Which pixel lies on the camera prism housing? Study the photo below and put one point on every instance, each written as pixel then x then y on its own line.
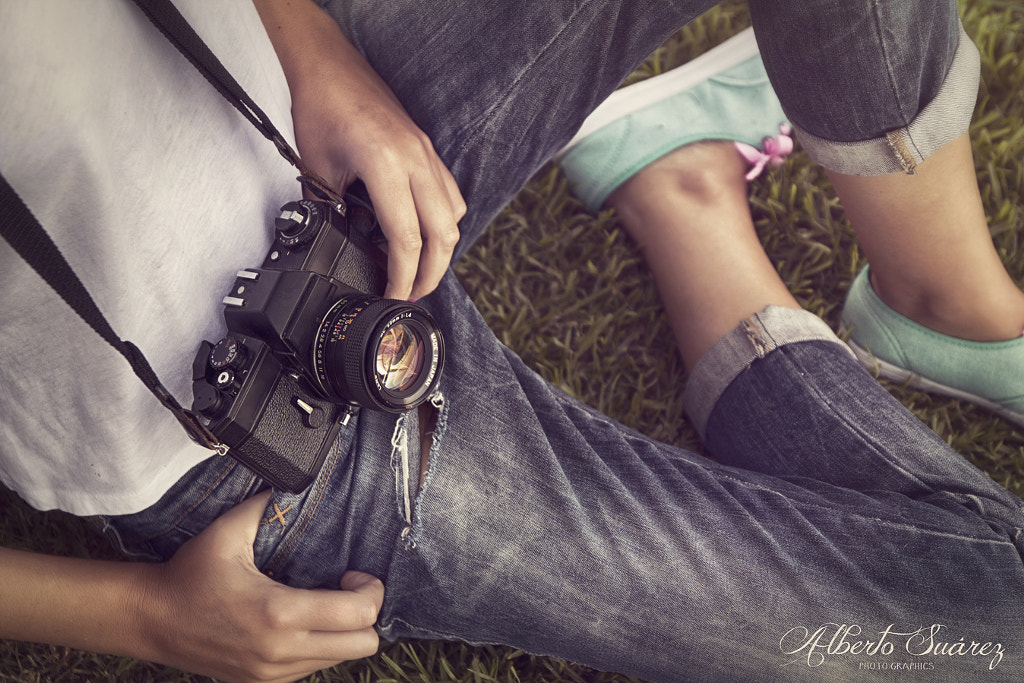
pixel 309 342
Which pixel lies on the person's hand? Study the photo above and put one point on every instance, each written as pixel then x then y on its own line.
pixel 210 611
pixel 362 132
pixel 348 125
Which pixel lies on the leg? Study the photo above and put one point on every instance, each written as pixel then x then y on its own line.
pixel 688 212
pixel 487 81
pixel 912 81
pixel 928 243
pixel 896 94
pixel 662 555
pixel 704 183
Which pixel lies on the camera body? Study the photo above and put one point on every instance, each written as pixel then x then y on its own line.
pixel 309 343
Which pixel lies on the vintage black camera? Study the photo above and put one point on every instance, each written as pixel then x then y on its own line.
pixel 309 342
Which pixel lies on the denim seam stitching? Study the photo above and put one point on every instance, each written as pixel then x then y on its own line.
pixel 861 435
pixel 875 12
pixel 826 401
pixel 808 504
pixel 800 504
pixel 302 524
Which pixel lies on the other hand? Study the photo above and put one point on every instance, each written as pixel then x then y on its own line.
pixel 209 610
pixel 349 124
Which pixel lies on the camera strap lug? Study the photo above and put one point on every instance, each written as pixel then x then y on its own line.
pixel 347 411
pixel 319 187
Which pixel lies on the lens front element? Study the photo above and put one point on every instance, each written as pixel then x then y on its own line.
pixel 399 358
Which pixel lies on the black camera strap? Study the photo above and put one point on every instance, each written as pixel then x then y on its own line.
pixel 169 21
pixel 24 233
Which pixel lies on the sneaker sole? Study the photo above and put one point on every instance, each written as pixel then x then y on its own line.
pixel 641 95
pixel 894 373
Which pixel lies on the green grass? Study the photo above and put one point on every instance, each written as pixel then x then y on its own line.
pixel 570 294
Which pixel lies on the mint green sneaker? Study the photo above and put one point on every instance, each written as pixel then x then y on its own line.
pixel 723 94
pixel 989 374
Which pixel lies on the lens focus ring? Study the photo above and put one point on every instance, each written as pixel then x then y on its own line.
pixel 378 353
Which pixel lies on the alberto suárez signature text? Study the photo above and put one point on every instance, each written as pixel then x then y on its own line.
pixel 816 646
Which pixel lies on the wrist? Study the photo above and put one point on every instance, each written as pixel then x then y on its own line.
pixel 312 49
pixel 86 604
pixel 143 611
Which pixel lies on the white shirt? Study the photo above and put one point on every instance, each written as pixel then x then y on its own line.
pixel 157 191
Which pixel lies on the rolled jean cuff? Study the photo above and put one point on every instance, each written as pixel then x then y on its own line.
pixel 942 120
pixel 752 339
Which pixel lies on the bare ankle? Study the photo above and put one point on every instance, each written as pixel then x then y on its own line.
pixel 986 314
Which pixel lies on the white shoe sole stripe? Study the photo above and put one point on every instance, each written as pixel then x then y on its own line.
pixel 895 373
pixel 641 95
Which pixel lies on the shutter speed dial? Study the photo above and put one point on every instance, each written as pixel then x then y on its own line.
pixel 228 354
pixel 298 223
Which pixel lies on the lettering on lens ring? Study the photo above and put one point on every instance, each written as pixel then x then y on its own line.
pixel 435 358
pixel 814 647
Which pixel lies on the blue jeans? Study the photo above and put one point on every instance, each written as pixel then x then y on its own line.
pixel 835 537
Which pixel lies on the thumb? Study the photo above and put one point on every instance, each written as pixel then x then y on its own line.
pixel 369 588
pixel 361 582
pixel 355 581
pixel 241 522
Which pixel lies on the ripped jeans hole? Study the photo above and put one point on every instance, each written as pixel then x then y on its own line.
pixel 411 465
pixel 428 423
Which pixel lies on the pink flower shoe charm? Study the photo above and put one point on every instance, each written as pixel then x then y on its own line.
pixel 776 149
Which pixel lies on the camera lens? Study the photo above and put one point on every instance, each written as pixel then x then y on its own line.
pixel 378 353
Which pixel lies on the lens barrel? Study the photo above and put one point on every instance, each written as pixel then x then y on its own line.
pixel 378 353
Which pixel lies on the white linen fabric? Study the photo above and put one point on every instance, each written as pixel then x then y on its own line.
pixel 157 191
